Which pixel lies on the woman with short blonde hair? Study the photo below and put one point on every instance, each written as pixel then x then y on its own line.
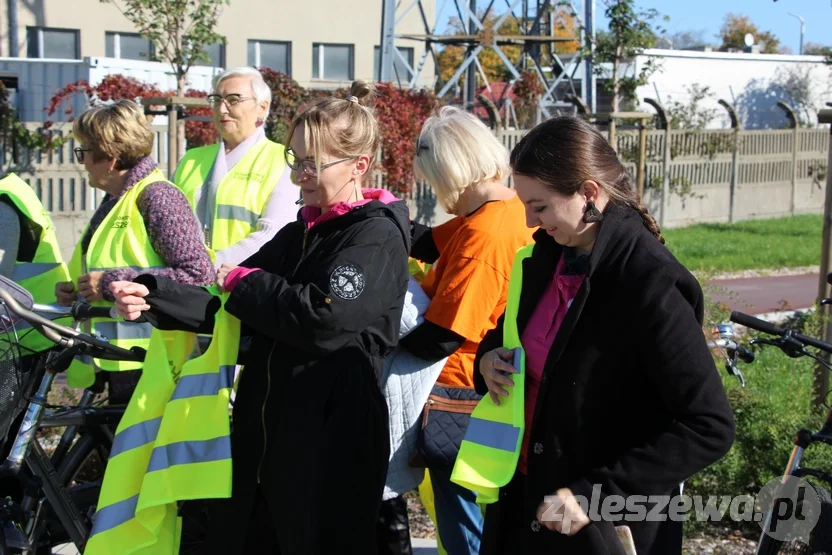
pixel 457 150
pixel 143 224
pixel 472 255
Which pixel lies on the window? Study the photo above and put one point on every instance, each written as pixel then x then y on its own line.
pixel 270 54
pixel 400 72
pixel 216 53
pixel 42 42
pixel 128 46
pixel 333 62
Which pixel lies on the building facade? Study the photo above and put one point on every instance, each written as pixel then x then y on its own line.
pixel 320 43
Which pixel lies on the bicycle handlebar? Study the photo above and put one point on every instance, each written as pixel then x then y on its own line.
pixel 773 329
pixel 78 311
pixel 66 336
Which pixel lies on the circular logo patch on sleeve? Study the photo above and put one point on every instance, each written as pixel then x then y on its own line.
pixel 347 282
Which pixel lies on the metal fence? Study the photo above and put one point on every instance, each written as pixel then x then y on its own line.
pixel 766 173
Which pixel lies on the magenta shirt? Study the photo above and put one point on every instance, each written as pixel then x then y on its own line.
pixel 539 335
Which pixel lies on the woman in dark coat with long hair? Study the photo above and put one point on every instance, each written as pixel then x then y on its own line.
pixel 623 400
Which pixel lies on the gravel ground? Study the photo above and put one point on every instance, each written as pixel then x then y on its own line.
pixel 719 541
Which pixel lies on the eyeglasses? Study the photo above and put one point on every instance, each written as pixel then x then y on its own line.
pixel 216 100
pixel 309 165
pixel 79 153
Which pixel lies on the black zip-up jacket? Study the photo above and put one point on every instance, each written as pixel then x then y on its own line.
pixel 309 422
pixel 630 402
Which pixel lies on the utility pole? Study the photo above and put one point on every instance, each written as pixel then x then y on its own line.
pixel 387 46
pixel 589 74
pixel 471 78
pixel 802 29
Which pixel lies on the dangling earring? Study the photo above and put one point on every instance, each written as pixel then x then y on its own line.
pixel 259 122
pixel 592 214
pixel 355 188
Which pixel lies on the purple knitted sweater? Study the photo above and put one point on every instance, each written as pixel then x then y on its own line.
pixel 171 226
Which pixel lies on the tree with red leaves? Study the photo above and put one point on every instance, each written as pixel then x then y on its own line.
pixel 400 114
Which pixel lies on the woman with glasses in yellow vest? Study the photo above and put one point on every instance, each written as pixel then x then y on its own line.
pixel 143 225
pixel 239 188
pixel 613 396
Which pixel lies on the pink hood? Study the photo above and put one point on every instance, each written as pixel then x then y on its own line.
pixel 312 215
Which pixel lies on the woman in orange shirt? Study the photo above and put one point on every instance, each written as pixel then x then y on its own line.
pixel 471 256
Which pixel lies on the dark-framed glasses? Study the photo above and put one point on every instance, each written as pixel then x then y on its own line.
pixel 215 100
pixel 79 153
pixel 308 166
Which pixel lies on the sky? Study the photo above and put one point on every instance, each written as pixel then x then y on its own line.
pixel 707 16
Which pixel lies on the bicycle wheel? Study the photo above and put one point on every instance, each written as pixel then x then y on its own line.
pixel 81 472
pixel 820 539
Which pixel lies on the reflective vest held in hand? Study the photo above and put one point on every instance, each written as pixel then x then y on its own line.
pixel 241 195
pixel 490 450
pixel 120 241
pixel 173 444
pixel 46 267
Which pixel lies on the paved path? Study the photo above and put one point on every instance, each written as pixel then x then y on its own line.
pixel 762 295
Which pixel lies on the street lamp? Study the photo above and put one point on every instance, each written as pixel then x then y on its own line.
pixel 802 30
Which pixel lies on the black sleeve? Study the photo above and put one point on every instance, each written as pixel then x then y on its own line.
pixel 432 342
pixel 493 339
pixel 310 315
pixel 676 359
pixel 423 247
pixel 175 306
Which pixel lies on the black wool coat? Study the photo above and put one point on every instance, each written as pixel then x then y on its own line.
pixel 310 431
pixel 630 400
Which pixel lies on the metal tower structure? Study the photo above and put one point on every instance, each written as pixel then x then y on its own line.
pixel 536 20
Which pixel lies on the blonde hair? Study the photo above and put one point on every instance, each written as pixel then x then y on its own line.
pixel 118 130
pixel 344 127
pixel 457 150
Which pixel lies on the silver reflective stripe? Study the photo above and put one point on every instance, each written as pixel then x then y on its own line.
pixel 190 452
pixel 118 331
pixel 136 436
pixel 492 434
pixel 26 270
pixel 113 515
pixel 196 385
pixel 230 212
pixel 139 269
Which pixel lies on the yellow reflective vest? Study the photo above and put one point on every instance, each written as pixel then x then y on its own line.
pixel 490 450
pixel 120 241
pixel 46 268
pixel 241 195
pixel 172 444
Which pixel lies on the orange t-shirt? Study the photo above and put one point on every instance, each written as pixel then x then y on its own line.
pixel 468 284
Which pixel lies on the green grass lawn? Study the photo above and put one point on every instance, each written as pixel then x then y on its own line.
pixel 752 244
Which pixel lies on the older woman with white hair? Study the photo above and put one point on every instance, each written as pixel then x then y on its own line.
pixel 240 188
pixel 471 257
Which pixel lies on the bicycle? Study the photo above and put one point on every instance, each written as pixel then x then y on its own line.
pixel 793 344
pixel 53 506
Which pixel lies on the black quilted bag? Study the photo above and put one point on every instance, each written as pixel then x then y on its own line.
pixel 444 421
